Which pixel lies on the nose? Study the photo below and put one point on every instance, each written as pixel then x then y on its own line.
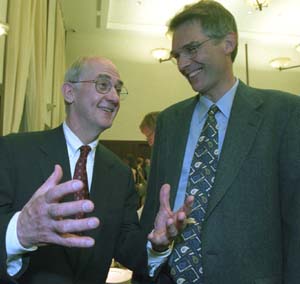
pixel 183 62
pixel 113 96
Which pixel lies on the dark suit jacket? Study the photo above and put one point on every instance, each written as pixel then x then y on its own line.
pixel 26 161
pixel 251 233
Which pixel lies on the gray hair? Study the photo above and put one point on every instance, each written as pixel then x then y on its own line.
pixel 216 21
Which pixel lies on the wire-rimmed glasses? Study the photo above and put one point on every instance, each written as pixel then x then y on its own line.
pixel 189 51
pixel 103 85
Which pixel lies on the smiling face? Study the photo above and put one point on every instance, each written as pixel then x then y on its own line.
pixel 209 71
pixel 89 112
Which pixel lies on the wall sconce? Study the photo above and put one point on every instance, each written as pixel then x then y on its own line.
pixel 298 47
pixel 3 29
pixel 258 4
pixel 161 54
pixel 282 63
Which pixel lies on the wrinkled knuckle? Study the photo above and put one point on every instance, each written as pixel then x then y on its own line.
pixel 62 227
pixel 53 211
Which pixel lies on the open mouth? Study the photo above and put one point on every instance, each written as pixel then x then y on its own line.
pixel 107 109
pixel 195 73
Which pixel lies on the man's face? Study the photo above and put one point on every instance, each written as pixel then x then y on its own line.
pixel 91 110
pixel 149 133
pixel 207 69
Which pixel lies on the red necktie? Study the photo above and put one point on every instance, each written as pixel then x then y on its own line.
pixel 81 174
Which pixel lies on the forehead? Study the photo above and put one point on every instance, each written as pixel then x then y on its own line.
pixel 187 32
pixel 95 67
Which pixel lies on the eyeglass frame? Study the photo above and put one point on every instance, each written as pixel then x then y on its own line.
pixel 123 91
pixel 196 45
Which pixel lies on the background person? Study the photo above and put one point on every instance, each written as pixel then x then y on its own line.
pixel 148 125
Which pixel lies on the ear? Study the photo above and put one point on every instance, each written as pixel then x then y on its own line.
pixel 68 92
pixel 230 43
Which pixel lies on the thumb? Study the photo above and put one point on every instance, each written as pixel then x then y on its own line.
pixel 52 180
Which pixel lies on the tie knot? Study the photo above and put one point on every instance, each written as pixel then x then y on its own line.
pixel 84 150
pixel 213 110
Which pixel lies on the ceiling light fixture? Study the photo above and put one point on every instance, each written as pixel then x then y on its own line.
pixel 161 54
pixel 258 4
pixel 3 29
pixel 282 63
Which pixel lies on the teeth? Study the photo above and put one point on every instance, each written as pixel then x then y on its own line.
pixel 194 73
pixel 107 109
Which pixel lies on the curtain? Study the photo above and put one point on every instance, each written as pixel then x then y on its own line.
pixel 34 108
pixel 35 52
pixel 19 45
pixel 58 114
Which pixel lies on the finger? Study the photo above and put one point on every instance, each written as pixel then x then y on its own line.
pixel 73 240
pixel 52 180
pixel 65 209
pixel 172 231
pixel 164 197
pixel 159 241
pixel 63 189
pixel 181 221
pixel 75 225
pixel 188 205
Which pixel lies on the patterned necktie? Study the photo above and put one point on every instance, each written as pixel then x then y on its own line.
pixel 185 261
pixel 81 174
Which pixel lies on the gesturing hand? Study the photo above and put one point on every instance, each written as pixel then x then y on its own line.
pixel 168 224
pixel 41 219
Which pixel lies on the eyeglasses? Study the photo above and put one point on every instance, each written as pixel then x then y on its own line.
pixel 189 50
pixel 103 85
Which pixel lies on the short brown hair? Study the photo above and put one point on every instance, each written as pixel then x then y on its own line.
pixel 214 18
pixel 149 120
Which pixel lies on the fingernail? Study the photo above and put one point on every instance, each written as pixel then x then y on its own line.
pixel 93 223
pixel 87 206
pixel 90 242
pixel 77 185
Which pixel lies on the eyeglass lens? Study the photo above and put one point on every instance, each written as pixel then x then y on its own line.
pixel 103 85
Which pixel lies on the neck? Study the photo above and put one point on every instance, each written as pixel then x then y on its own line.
pixel 85 135
pixel 220 90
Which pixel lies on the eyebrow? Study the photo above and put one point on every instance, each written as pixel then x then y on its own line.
pixel 119 82
pixel 173 52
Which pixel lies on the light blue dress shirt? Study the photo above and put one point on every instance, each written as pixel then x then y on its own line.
pixel 199 117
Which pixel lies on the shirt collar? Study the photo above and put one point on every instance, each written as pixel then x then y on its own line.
pixel 73 142
pixel 224 103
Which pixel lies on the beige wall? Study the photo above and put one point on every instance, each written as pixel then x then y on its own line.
pixel 155 86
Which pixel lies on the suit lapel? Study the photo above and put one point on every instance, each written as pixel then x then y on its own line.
pixel 99 194
pixel 242 129
pixel 178 137
pixel 100 191
pixel 53 147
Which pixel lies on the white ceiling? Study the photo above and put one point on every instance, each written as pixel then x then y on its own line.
pixel 130 29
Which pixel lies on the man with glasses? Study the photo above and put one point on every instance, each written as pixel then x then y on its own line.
pixel 68 205
pixel 231 155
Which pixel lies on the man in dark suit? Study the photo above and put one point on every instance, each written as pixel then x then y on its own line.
pixel 249 229
pixel 47 236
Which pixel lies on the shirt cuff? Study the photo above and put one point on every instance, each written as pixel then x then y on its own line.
pixel 13 245
pixel 14 249
pixel 156 259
